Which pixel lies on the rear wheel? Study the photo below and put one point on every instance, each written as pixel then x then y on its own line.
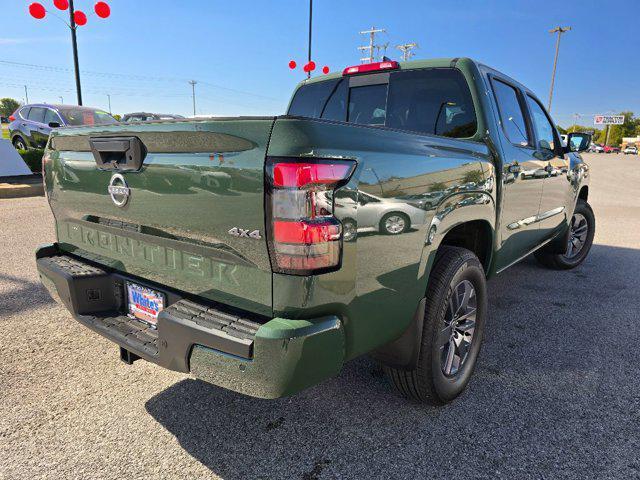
pixel 582 230
pixel 454 319
pixel 19 143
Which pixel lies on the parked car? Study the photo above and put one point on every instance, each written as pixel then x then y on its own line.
pixel 146 117
pixel 610 149
pixel 630 150
pixel 256 290
pixel 596 148
pixel 31 124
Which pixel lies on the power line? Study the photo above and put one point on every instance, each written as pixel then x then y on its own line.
pixel 372 46
pixel 406 48
pixel 132 77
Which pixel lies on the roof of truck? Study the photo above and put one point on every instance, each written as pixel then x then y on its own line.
pixel 427 63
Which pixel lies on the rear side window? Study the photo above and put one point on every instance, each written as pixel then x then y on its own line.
pixel 435 101
pixel 310 100
pixel 24 113
pixel 36 114
pixel 511 115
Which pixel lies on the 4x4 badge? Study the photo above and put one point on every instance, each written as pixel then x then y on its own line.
pixel 119 190
pixel 241 232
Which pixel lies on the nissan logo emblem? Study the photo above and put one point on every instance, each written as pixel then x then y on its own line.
pixel 119 190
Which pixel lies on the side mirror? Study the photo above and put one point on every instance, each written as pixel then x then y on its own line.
pixel 54 124
pixel 577 142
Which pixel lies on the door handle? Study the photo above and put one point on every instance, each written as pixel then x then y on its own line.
pixel 514 168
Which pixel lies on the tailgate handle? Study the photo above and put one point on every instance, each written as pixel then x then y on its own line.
pixel 124 154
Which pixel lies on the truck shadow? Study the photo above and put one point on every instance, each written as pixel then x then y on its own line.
pixel 23 295
pixel 541 360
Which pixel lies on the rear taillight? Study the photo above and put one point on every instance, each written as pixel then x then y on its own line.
pixel 305 237
pixel 12 118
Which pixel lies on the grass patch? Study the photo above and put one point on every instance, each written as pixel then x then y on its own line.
pixel 33 159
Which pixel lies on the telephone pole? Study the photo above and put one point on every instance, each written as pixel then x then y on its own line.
pixel 109 98
pixel 26 94
pixel 559 30
pixel 74 44
pixel 193 95
pixel 406 48
pixel 372 46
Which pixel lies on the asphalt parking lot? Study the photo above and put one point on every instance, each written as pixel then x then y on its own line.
pixel 556 392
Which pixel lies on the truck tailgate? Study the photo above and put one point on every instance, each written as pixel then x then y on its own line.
pixel 199 181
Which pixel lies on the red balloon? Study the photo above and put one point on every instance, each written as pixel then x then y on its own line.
pixel 311 65
pixel 61 4
pixel 305 68
pixel 79 17
pixel 325 69
pixel 292 64
pixel 102 9
pixel 36 10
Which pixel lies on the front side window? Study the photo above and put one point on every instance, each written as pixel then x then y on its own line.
pixel 511 115
pixel 543 128
pixel 51 116
pixel 85 116
pixel 24 113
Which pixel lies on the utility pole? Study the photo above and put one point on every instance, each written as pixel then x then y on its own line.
pixel 61 100
pixel 193 95
pixel 382 47
pixel 74 43
pixel 372 33
pixel 575 121
pixel 559 31
pixel 406 48
pixel 26 94
pixel 109 98
pixel 310 25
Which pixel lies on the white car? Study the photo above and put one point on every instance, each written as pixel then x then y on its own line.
pixel 595 148
pixel 630 150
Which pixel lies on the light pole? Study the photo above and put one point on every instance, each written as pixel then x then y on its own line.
pixel 109 99
pixel 193 95
pixel 76 18
pixel 559 31
pixel 61 100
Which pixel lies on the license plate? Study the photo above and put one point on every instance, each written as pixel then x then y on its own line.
pixel 144 304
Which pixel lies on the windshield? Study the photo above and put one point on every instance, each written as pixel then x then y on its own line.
pixel 84 116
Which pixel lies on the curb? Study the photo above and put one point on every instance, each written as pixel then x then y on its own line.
pixel 8 190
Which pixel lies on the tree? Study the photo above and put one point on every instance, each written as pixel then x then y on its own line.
pixel 561 130
pixel 8 106
pixel 117 117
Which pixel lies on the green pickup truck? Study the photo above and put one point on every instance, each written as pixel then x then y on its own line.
pixel 262 253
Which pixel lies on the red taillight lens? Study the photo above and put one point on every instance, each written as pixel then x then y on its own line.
pixel 371 67
pixel 12 118
pixel 304 236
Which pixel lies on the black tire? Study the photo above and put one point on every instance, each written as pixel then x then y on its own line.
pixel 567 260
pixel 387 231
pixel 428 382
pixel 19 143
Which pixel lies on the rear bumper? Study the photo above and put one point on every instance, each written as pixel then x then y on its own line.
pixel 235 350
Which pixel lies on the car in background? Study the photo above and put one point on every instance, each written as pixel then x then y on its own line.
pixel 147 117
pixel 630 150
pixel 596 148
pixel 31 124
pixel 610 149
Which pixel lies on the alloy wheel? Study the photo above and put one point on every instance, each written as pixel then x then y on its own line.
pixel 456 337
pixel 394 224
pixel 577 235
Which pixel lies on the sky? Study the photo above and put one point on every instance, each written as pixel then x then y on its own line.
pixel 145 53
